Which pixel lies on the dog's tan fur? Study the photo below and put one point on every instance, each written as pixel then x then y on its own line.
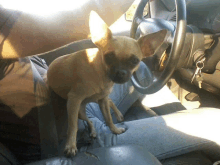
pixel 82 77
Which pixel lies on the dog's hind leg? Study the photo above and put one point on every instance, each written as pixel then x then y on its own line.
pixel 117 113
pixel 82 116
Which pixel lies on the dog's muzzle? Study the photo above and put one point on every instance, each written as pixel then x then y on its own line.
pixel 120 76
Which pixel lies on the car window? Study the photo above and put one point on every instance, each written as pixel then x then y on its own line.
pixel 131 11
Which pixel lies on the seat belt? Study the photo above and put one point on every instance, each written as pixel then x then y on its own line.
pixel 47 127
pixel 47 124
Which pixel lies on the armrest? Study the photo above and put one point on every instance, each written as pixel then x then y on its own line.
pixel 116 155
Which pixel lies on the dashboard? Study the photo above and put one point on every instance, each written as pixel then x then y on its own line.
pixel 203 20
pixel 204 14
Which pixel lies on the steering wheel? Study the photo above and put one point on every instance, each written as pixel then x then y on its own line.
pixel 154 25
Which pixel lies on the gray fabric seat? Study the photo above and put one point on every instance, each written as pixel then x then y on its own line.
pixel 146 107
pixel 140 111
pixel 176 134
pixel 6 157
pixel 116 155
pixel 160 135
pixel 196 157
pixel 163 102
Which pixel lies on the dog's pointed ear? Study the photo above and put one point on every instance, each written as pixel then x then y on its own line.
pixel 100 33
pixel 151 42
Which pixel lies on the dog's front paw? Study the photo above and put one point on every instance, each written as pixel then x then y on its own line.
pixel 93 134
pixel 70 150
pixel 119 130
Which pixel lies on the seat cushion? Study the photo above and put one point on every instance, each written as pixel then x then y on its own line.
pixel 138 111
pixel 6 157
pixel 115 155
pixel 175 134
pixel 192 158
pixel 163 102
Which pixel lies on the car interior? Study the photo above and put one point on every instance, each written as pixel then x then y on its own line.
pixel 184 76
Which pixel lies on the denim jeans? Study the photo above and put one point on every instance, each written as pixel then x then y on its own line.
pixel 123 96
pixel 164 136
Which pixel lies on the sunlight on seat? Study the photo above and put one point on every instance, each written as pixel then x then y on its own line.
pixel 161 97
pixel 42 7
pixel 201 123
pixel 131 89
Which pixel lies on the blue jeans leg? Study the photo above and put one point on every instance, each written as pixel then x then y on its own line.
pixel 123 95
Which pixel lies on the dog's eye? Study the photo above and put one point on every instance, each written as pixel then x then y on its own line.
pixel 134 60
pixel 109 57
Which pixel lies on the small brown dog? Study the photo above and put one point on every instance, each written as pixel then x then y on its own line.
pixel 88 75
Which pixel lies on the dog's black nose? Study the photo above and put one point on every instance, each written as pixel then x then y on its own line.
pixel 121 73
